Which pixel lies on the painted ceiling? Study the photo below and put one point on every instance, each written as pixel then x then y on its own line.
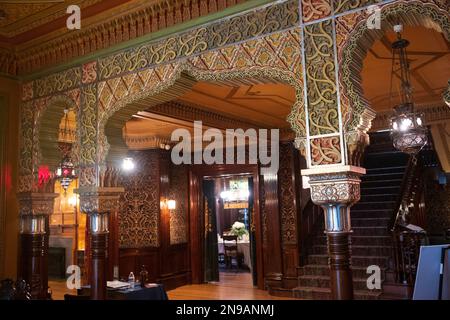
pixel 429 57
pixel 257 106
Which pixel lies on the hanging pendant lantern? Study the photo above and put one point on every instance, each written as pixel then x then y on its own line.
pixel 409 133
pixel 66 170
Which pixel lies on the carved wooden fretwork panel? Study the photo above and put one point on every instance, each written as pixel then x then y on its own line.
pixel 178 191
pixel 287 196
pixel 140 203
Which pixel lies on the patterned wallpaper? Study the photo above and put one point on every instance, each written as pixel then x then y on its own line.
pixel 139 205
pixel 178 191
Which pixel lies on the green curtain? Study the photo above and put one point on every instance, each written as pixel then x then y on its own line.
pixel 211 255
pixel 252 230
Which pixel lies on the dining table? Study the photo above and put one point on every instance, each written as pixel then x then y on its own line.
pixel 243 247
pixel 151 291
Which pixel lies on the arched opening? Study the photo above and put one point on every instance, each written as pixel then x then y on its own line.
pixel 429 58
pixel 66 225
pixel 365 80
pixel 151 234
pixel 361 39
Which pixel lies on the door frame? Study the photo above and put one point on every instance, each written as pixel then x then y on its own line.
pixel 196 223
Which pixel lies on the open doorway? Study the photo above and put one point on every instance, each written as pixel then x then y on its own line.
pixel 230 242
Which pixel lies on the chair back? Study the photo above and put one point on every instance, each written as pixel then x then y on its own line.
pixel 229 242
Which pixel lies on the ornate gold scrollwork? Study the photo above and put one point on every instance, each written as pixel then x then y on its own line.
pixel 320 79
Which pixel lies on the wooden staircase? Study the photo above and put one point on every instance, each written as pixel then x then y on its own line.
pixel 371 220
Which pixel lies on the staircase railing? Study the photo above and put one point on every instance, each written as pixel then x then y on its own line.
pixel 409 209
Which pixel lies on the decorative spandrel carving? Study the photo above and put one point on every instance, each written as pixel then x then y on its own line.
pixel 58 82
pixel 341 6
pixel 321 79
pixel 257 23
pixel 140 203
pixel 354 38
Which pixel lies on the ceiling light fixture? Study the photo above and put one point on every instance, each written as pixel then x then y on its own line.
pixel 409 134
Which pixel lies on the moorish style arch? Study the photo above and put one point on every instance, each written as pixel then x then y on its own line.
pixel 298 42
pixel 354 39
pixel 185 75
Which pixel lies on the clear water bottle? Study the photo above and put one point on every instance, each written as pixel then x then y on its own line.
pixel 131 280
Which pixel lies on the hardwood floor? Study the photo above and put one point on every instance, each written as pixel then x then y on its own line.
pixel 59 289
pixel 232 286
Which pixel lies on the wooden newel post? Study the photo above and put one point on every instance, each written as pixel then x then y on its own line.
pixel 98 203
pixel 336 190
pixel 35 209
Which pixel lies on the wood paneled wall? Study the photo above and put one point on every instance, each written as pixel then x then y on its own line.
pixel 144 210
pixel 279 202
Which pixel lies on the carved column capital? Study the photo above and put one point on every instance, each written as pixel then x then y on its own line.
pixel 34 203
pixel 97 200
pixel 34 208
pixel 339 185
pixel 336 189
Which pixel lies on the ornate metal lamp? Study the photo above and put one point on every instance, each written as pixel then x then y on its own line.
pixel 409 133
pixel 66 170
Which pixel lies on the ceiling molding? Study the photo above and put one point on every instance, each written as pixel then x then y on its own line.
pixel 149 21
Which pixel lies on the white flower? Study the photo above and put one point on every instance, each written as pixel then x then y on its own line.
pixel 238 225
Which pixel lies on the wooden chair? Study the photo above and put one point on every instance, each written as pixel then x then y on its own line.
pixel 231 250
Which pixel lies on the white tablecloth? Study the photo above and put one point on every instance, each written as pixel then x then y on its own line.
pixel 243 247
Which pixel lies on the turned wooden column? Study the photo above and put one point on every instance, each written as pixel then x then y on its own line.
pixel 98 203
pixel 336 190
pixel 35 209
pixel 98 224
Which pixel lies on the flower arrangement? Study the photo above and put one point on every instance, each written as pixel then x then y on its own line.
pixel 238 229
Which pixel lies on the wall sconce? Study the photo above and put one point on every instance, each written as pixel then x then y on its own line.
pixel 168 204
pixel 73 200
pixel 128 164
pixel 171 204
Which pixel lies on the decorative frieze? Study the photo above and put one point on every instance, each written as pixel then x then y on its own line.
pixel 148 18
pixel 58 82
pixel 257 23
